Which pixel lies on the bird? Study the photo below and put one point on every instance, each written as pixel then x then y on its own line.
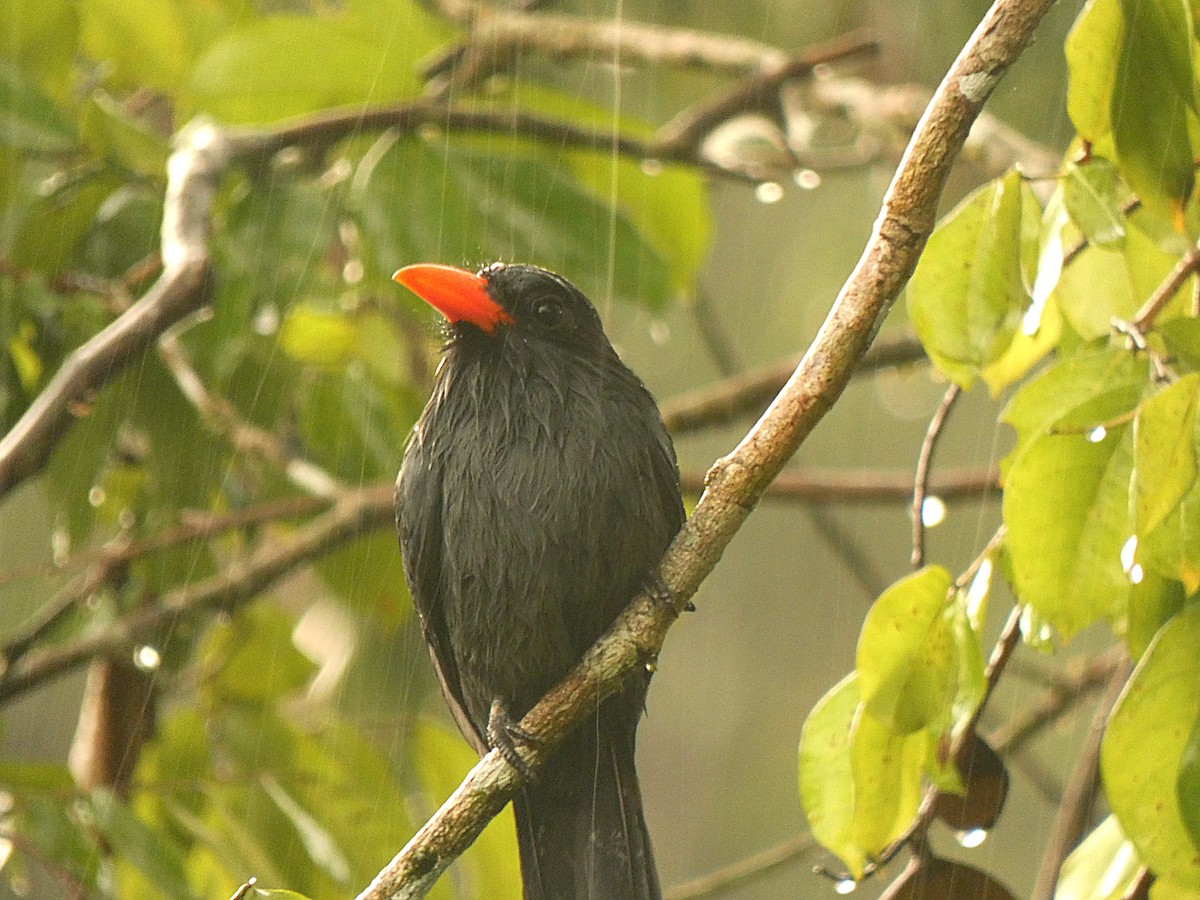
pixel 537 494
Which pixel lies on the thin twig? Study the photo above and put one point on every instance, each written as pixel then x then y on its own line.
pixel 737 481
pixel 1144 319
pixel 859 565
pixel 244 437
pixel 862 486
pixel 749 392
pixel 1058 699
pixel 1076 807
pixel 712 333
pixel 745 870
pixel 921 478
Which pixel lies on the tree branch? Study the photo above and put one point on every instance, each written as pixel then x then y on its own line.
pixel 355 513
pixel 921 478
pixel 749 392
pixel 201 154
pixel 1077 800
pixel 860 486
pixel 737 481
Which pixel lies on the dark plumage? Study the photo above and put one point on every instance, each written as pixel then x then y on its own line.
pixel 537 494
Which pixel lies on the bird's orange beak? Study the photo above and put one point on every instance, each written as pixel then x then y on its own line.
pixel 459 295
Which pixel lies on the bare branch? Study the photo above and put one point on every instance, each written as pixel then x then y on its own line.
pixel 744 870
pixel 921 479
pixel 1075 809
pixel 737 481
pixel 861 486
pixel 749 392
pixel 354 514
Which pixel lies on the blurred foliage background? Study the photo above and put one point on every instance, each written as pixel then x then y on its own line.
pixel 275 715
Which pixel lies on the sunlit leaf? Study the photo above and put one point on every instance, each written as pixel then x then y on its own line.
pixel 887 771
pixel 1093 198
pixel 966 297
pixel 40 37
pixel 28 120
pixel 906 661
pixel 1129 275
pixel 1067 487
pixel 1143 748
pixel 1165 452
pixel 1150 102
pixel 318 336
pixel 1187 788
pixel 1103 867
pixel 254 656
pixel 1092 50
pixel 251 74
pixel 825 775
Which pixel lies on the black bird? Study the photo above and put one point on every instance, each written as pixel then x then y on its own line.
pixel 537 494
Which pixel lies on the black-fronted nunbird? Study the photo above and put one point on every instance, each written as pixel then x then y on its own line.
pixel 537 494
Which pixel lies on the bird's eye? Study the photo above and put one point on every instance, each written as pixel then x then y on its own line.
pixel 549 312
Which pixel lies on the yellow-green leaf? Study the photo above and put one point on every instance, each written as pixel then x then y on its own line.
pixel 1143 748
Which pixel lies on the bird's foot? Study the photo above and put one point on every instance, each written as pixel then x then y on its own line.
pixel 503 734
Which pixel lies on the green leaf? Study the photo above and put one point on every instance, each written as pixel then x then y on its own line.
pixel 253 73
pixel 1103 867
pixel 1073 456
pixel 1128 275
pixel 111 131
pixel 1150 102
pixel 887 780
pixel 1187 787
pixel 1152 602
pixel 1165 452
pixel 967 295
pixel 40 37
pixel 1143 748
pixel 513 204
pixel 18 776
pixel 827 791
pixel 1171 547
pixel 28 120
pixel 1092 196
pixel 368 577
pixel 317 336
pixel 353 426
pixel 318 843
pixel 1075 395
pixel 1066 505
pixel 145 43
pixel 1092 50
pixel 142 847
pixel 1182 339
pixel 906 661
pixel 49 231
pixel 254 656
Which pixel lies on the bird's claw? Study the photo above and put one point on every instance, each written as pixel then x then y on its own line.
pixel 503 734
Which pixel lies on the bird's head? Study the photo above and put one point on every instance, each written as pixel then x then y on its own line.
pixel 500 299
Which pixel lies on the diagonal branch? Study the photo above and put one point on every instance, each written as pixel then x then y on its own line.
pixel 738 480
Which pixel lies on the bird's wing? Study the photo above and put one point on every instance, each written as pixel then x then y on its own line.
pixel 419 522
pixel 666 477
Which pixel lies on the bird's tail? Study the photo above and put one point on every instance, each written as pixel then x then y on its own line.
pixel 580 827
